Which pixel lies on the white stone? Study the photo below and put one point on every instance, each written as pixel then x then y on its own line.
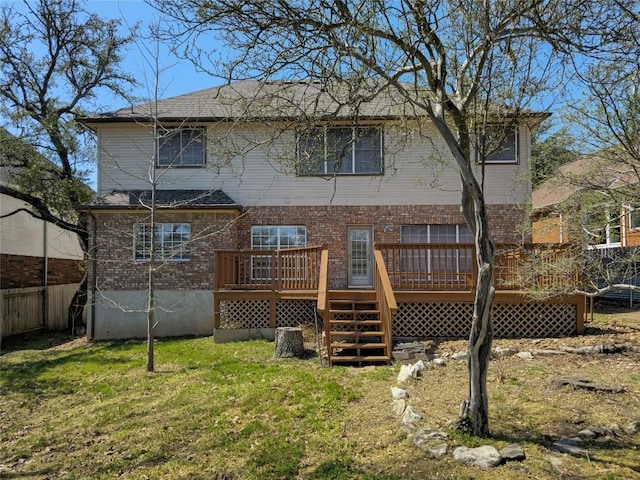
pixel 410 415
pixel 482 457
pixel 398 393
pixel 439 362
pixel 504 352
pixel 460 355
pixel 406 372
pixel 398 407
pixel 525 355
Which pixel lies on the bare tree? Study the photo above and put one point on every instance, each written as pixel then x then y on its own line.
pixel 467 66
pixel 55 57
pixel 601 211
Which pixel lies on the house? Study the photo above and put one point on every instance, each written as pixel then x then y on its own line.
pixel 40 263
pixel 276 199
pixel 593 202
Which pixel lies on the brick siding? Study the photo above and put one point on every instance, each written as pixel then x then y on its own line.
pixel 328 225
pixel 113 252
pixel 325 225
pixel 21 271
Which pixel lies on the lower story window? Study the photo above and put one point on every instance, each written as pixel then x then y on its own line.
pixel 171 241
pixel 273 237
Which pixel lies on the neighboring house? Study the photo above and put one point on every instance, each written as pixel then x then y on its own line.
pixel 34 256
pixel 606 231
pixel 292 212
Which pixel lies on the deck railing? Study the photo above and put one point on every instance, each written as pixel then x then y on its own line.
pixel 385 297
pixel 429 266
pixel 452 267
pixel 287 269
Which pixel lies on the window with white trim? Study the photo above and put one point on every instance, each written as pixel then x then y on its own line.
pixel 273 237
pixel 182 147
pixel 634 218
pixel 340 151
pixel 507 152
pixel 602 229
pixel 436 261
pixel 171 241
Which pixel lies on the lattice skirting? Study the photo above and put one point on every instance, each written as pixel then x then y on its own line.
pixel 255 313
pixel 509 319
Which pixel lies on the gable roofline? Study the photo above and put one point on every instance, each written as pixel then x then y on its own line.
pixel 255 101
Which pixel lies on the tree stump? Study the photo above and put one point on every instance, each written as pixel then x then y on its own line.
pixel 289 342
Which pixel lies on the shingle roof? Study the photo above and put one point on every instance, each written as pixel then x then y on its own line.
pixel 164 199
pixel 593 171
pixel 253 100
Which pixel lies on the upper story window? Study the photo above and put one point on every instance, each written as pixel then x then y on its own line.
pixel 341 151
pixel 507 152
pixel 182 147
pixel 171 241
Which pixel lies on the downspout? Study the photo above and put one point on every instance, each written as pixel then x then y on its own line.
pixel 45 275
pixel 94 282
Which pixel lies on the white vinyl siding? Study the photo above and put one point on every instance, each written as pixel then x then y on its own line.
pixel 418 169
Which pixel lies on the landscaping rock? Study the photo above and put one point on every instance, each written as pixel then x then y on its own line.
pixel 398 407
pixel 504 352
pixel 555 462
pixel 410 416
pixel 406 373
pixel 423 436
pixel 411 371
pixel 439 362
pixel 460 355
pixel 548 352
pixel 525 355
pixel 481 457
pixel 631 428
pixel 587 433
pixel 399 393
pixel 437 451
pixel 512 453
pixel 571 446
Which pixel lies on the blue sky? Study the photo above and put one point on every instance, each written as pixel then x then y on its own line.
pixel 177 77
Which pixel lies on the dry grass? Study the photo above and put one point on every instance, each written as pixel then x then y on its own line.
pixel 74 410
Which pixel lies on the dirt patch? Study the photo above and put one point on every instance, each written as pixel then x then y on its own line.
pixel 525 406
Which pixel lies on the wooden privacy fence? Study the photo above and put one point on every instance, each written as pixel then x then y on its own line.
pixel 23 308
pixel 287 269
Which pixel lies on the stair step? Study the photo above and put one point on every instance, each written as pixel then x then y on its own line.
pixel 360 312
pixel 370 333
pixel 351 321
pixel 358 345
pixel 361 358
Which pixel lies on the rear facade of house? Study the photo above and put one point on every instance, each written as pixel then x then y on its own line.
pixel 236 191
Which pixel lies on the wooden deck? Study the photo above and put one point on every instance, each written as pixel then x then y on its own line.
pixel 359 324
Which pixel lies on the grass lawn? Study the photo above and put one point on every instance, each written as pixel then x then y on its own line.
pixel 78 410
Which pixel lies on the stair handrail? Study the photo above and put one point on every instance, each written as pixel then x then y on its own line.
pixel 384 295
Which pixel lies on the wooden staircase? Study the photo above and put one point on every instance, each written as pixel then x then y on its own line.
pixel 354 329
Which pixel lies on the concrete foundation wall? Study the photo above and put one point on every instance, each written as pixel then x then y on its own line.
pixel 121 314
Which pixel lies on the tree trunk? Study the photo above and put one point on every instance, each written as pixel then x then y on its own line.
pixel 289 342
pixel 480 341
pixel 76 307
pixel 476 409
